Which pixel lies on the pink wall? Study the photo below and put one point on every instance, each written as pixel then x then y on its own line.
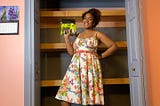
pixel 12 62
pixel 151 25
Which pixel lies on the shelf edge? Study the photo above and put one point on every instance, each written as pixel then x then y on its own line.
pixel 106 81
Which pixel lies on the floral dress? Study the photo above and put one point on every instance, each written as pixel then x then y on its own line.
pixel 82 83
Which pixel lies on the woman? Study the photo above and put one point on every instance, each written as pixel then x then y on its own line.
pixel 82 83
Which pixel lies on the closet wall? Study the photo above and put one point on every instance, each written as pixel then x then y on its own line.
pixel 55 60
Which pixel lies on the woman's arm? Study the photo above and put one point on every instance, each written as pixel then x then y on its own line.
pixel 68 43
pixel 111 46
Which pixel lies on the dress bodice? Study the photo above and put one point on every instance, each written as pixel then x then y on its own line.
pixel 86 44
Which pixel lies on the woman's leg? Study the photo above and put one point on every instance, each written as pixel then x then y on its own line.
pixel 65 103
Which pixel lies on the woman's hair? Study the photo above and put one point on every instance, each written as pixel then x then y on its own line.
pixel 96 15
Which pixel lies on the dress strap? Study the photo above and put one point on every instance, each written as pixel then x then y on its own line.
pixel 78 35
pixel 96 35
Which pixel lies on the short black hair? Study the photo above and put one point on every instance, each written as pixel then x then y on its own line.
pixel 96 15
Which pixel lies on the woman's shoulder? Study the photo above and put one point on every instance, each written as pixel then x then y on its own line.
pixel 99 33
pixel 81 34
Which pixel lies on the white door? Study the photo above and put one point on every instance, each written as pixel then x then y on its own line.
pixel 135 53
pixel 32 53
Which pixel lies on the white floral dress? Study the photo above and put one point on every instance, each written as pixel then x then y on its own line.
pixel 82 83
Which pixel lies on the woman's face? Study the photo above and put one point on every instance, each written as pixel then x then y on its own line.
pixel 88 21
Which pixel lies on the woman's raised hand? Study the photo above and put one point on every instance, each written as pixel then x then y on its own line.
pixel 67 33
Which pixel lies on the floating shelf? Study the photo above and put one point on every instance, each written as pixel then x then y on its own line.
pixel 46 47
pixel 110 17
pixel 78 13
pixel 80 24
pixel 106 81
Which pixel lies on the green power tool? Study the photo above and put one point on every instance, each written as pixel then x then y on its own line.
pixel 68 24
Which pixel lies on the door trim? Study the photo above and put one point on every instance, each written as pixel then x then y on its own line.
pixel 29 53
pixel 141 36
pixel 141 52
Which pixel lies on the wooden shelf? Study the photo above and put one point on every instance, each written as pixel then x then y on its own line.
pixel 106 81
pixel 46 47
pixel 78 13
pixel 120 44
pixel 110 17
pixel 80 24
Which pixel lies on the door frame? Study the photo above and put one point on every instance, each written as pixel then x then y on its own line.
pixel 142 76
pixel 29 74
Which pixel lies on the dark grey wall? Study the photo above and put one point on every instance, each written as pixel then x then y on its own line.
pixel 81 3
